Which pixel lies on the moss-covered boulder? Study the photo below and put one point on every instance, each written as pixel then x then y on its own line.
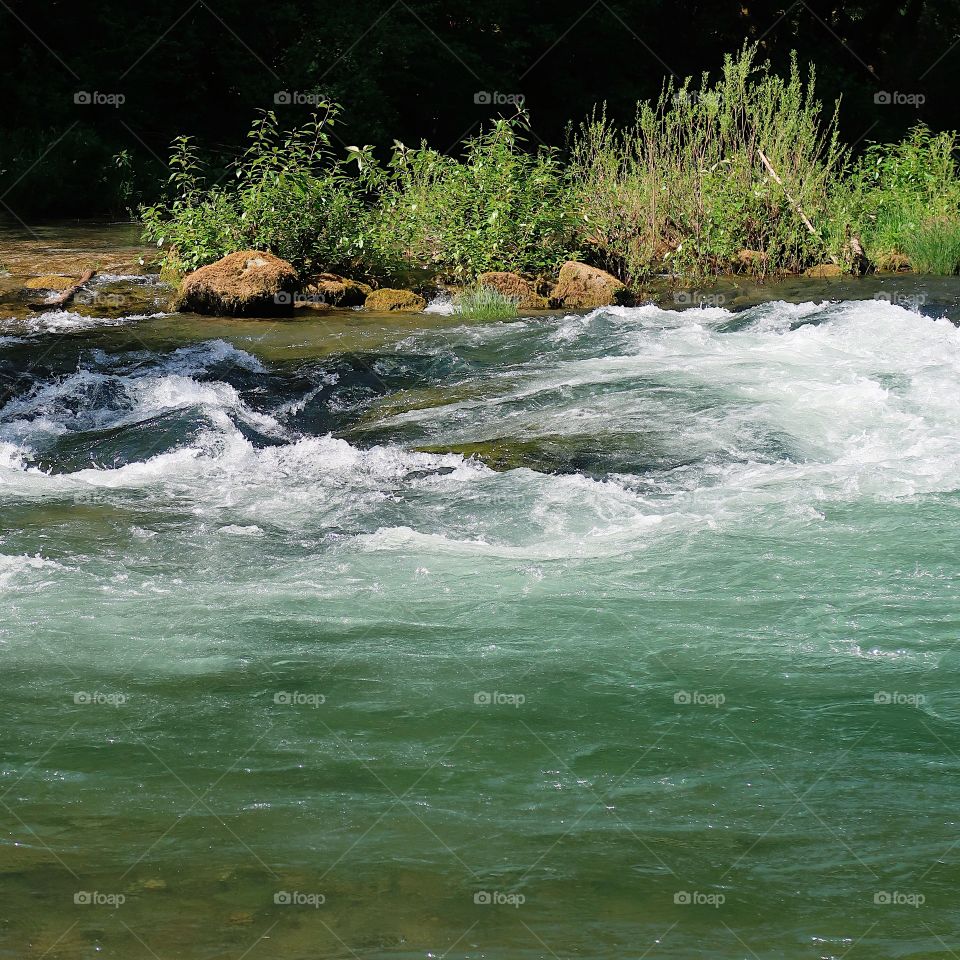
pixel 580 287
pixel 387 300
pixel 50 282
pixel 249 283
pixel 896 262
pixel 338 291
pixel 514 286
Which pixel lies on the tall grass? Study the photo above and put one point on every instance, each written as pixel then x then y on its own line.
pixel 904 201
pixel 480 302
pixel 685 189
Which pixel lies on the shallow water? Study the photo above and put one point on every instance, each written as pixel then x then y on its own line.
pixel 665 666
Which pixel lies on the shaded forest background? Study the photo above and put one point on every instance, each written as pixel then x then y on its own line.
pixel 407 70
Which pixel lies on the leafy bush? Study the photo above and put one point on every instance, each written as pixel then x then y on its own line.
pixel 686 188
pixel 500 207
pixel 480 302
pixel 290 195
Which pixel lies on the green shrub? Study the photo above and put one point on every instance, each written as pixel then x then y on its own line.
pixel 500 207
pixel 289 195
pixel 481 302
pixel 685 189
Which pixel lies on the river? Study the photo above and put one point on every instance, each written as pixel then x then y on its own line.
pixel 622 634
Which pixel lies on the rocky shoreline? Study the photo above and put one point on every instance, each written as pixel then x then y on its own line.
pixel 254 283
pixel 37 277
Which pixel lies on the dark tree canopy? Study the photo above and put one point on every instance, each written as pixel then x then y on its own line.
pixel 412 69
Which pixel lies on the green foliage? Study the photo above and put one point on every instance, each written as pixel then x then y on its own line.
pixel 480 302
pixel 500 207
pixel 289 195
pixel 685 189
pixel 745 173
pixel 903 201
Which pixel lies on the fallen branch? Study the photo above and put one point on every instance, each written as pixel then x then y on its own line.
pixel 856 249
pixel 793 203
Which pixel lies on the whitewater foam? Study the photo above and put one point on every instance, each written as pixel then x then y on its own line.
pixel 800 405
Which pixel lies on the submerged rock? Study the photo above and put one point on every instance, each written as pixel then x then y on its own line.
pixel 405 301
pixel 338 291
pixel 581 287
pixel 514 286
pixel 249 283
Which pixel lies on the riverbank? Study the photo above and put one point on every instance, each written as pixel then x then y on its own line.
pixel 131 285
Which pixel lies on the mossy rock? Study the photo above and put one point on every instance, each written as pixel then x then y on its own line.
pixel 338 291
pixel 249 283
pixel 823 270
pixel 752 260
pixel 501 454
pixel 51 282
pixel 312 306
pixel 897 263
pixel 580 287
pixel 388 301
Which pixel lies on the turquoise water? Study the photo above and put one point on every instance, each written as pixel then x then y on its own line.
pixel 285 674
